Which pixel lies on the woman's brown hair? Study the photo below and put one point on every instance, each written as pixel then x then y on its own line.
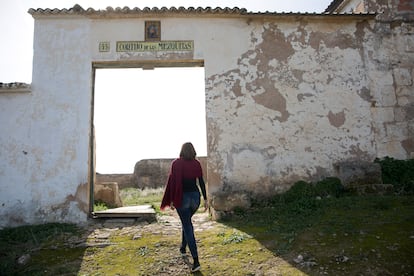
pixel 187 151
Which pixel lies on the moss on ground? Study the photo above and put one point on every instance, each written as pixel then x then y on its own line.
pixel 350 235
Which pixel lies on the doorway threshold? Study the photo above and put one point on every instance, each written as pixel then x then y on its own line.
pixel 145 212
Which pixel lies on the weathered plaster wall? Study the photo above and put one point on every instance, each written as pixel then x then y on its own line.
pixel 44 134
pixel 297 102
pixel 287 97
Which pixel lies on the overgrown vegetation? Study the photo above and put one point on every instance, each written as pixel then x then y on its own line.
pixel 346 235
pixel 312 229
pixel 133 196
pixel 25 244
pixel 400 173
pixel 100 206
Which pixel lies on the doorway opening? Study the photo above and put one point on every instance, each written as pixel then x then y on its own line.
pixel 140 114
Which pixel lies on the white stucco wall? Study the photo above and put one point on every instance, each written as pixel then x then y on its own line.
pixel 44 136
pixel 287 98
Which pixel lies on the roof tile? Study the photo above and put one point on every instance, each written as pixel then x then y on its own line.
pixel 78 10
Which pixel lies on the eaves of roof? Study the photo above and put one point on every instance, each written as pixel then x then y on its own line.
pixel 118 12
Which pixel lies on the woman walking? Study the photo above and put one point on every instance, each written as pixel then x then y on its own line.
pixel 183 194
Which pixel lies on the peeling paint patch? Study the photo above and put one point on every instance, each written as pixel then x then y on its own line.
pixel 365 94
pixel 298 74
pixel 80 197
pixel 408 145
pixel 274 44
pixel 308 149
pixel 358 153
pixel 274 100
pixel 336 119
pixel 237 89
pixel 302 96
pixel 332 40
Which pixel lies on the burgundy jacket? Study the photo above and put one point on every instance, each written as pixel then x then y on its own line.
pixel 180 169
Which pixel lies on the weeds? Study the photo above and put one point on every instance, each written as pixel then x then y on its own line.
pixel 14 242
pixel 346 235
pixel 100 206
pixel 142 251
pixel 133 196
pixel 35 234
pixel 399 173
pixel 333 232
pixel 235 237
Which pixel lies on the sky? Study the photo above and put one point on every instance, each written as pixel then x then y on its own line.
pixel 132 124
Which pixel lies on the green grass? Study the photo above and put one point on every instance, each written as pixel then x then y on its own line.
pixel 100 206
pixel 312 229
pixel 46 240
pixel 133 196
pixel 399 173
pixel 346 235
pixel 374 231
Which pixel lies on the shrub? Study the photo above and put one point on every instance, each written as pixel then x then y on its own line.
pixel 35 233
pixel 330 186
pixel 399 173
pixel 299 190
pixel 304 194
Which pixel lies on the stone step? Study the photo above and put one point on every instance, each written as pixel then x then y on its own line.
pixel 142 212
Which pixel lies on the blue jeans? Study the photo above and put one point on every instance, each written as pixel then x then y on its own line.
pixel 189 205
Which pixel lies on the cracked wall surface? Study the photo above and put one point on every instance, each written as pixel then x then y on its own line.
pixel 287 97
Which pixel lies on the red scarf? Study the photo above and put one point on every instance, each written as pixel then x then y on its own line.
pixel 173 193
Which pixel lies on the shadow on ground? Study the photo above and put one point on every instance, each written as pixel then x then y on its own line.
pixel 354 235
pixel 332 236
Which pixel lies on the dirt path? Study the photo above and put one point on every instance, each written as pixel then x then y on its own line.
pixel 100 232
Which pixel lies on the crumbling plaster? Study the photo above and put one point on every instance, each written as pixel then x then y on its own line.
pixel 298 101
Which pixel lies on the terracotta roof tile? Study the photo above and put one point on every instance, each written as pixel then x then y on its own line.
pixel 126 11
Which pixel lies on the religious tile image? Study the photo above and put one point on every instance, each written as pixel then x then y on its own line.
pixel 152 30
